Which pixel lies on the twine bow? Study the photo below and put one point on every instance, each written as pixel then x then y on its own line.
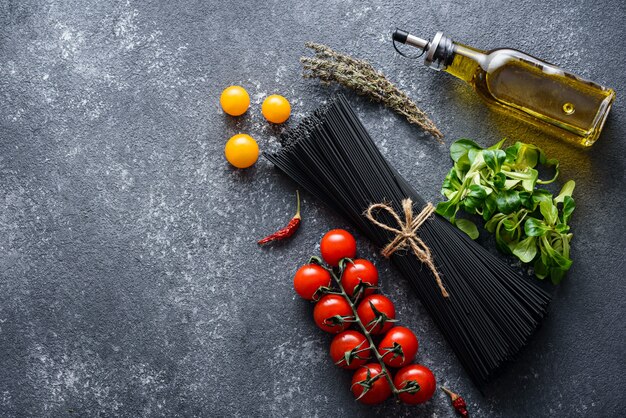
pixel 407 234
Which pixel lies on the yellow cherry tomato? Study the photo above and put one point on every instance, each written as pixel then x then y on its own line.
pixel 276 109
pixel 241 150
pixel 235 100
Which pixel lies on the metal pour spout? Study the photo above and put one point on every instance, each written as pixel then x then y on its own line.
pixel 438 52
pixel 406 38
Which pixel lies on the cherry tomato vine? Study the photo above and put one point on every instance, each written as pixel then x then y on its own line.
pixel 352 301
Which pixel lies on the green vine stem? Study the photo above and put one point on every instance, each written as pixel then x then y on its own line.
pixel 367 334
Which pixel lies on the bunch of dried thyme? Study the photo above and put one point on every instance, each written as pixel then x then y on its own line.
pixel 333 67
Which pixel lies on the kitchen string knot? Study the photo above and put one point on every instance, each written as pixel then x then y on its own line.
pixel 407 236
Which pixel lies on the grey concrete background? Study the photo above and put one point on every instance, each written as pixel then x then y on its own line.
pixel 130 281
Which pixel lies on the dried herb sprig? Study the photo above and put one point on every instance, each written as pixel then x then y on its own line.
pixel 334 67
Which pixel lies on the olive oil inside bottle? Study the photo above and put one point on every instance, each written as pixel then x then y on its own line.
pixel 535 91
pixel 523 86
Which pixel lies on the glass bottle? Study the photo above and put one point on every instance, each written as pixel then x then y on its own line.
pixel 520 85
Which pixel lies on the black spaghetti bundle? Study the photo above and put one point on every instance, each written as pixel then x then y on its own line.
pixel 492 310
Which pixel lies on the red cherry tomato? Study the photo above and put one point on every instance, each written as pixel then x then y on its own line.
pixel 415 374
pixel 359 270
pixel 337 244
pixel 398 347
pixel 327 313
pixel 308 279
pixel 379 390
pixel 355 345
pixel 368 315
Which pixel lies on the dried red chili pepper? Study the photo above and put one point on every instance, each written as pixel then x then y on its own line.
pixel 287 231
pixel 458 403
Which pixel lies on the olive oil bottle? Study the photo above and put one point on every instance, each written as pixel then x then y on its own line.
pixel 522 86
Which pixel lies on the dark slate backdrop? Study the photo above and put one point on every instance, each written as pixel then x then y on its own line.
pixel 130 281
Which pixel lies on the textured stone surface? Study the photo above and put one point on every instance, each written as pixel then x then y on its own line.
pixel 130 281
